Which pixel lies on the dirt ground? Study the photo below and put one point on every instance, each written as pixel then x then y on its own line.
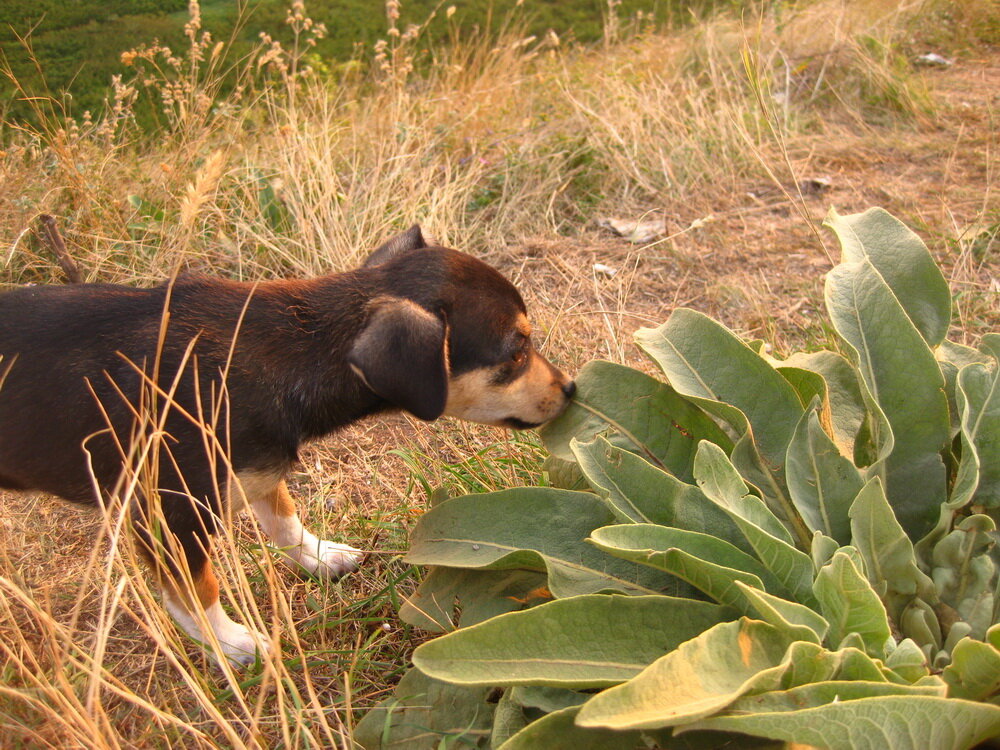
pixel 753 258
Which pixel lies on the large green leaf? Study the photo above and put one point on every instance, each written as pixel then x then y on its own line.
pixel 580 642
pixel 964 572
pixel 920 623
pixel 974 672
pixel 978 395
pixel 903 382
pixel 722 484
pixel 638 491
pixel 546 699
pixel 977 406
pixel 501 530
pixel 702 676
pixel 902 259
pixel 849 603
pixel 822 693
pixel 821 482
pixel 808 384
pixel 558 731
pixel 707 362
pixel 797 621
pixel 769 539
pixel 890 564
pixel 900 722
pixel 703 359
pixel 809 663
pixel 482 594
pixel 907 661
pixel 846 403
pixel 423 712
pixel 637 413
pixel 508 719
pixel 710 564
pixel 951 358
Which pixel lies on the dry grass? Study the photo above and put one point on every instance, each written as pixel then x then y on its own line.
pixel 509 150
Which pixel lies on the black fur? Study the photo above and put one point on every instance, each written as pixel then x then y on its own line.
pixel 267 365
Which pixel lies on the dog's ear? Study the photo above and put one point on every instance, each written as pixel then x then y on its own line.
pixel 401 354
pixel 404 242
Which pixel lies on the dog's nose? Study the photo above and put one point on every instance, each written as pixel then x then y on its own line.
pixel 569 389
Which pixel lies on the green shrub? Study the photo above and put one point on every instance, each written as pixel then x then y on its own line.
pixel 753 551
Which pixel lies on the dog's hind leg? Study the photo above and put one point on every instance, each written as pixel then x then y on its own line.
pixel 275 511
pixel 190 590
pixel 196 608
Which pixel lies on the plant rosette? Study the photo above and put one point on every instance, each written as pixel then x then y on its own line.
pixel 746 552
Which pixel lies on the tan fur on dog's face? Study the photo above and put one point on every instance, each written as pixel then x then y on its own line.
pixel 522 391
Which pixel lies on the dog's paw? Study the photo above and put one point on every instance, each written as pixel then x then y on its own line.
pixel 241 645
pixel 329 559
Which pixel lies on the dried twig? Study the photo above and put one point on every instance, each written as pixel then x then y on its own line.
pixel 49 232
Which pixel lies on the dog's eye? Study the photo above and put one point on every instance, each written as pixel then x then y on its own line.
pixel 519 357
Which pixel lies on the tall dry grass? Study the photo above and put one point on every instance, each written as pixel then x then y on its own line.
pixel 298 167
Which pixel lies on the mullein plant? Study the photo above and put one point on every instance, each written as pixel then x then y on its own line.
pixel 745 551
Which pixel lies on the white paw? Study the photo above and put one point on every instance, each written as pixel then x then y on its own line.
pixel 240 645
pixel 328 559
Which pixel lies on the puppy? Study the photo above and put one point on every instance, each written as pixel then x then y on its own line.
pixel 211 386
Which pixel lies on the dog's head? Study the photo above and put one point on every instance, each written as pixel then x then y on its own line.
pixel 448 335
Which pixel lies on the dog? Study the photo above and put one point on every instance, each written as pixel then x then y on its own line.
pixel 233 378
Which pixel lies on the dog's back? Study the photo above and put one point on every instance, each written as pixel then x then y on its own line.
pixel 80 361
pixel 54 340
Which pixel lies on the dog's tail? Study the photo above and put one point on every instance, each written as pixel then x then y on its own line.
pixel 49 233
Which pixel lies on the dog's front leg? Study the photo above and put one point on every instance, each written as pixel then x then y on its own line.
pixel 275 511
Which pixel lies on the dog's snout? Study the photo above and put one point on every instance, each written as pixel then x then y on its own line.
pixel 569 389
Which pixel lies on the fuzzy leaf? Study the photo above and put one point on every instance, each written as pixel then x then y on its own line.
pixel 637 491
pixel 797 621
pixel 850 605
pixel 702 676
pixel 809 663
pixel 500 531
pixel 703 359
pixel 823 549
pixel 846 403
pixel 823 693
pixel 482 593
pixel 821 482
pixel 951 358
pixel 974 672
pixel 721 484
pixel 965 574
pixel 421 711
pixel 902 259
pixel 580 642
pixel 903 384
pixel 908 661
pixel 547 699
pixel 508 719
pixel 635 412
pixel 558 731
pixel 890 564
pixel 708 563
pixel 808 384
pixel 900 722
pixel 979 405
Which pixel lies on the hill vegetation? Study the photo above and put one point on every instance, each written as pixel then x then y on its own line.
pixel 71 50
